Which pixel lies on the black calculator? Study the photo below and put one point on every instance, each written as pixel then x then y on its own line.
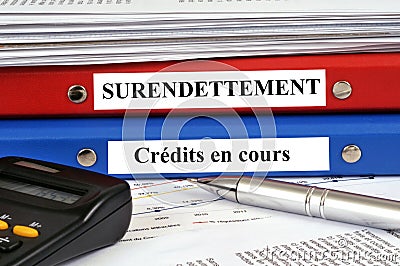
pixel 50 213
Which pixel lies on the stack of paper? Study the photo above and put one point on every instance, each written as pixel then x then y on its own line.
pixel 37 32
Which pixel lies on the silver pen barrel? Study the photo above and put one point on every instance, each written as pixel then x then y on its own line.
pixel 318 202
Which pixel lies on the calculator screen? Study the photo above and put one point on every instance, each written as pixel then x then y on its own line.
pixel 39 191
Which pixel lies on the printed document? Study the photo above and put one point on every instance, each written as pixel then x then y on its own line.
pixel 176 223
pixel 194 6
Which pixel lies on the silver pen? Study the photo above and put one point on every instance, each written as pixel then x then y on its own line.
pixel 306 200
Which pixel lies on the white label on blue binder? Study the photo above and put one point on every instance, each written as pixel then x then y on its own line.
pixel 218 155
pixel 212 89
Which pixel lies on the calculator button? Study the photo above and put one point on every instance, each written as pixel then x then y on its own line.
pixel 7 244
pixel 25 231
pixel 3 225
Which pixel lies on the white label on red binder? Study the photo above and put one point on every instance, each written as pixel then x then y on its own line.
pixel 212 89
pixel 218 155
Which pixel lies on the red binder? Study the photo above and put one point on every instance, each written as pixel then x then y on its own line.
pixel 367 82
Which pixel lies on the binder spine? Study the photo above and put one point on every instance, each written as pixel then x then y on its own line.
pixel 46 90
pixel 357 144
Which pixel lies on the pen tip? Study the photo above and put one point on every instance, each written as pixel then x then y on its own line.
pixel 201 181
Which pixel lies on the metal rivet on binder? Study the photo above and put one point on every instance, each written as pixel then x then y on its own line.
pixel 86 157
pixel 351 153
pixel 77 94
pixel 342 90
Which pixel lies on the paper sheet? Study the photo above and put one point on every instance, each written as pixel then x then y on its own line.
pixel 76 32
pixel 176 223
pixel 194 6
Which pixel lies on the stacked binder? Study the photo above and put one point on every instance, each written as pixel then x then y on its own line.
pixel 98 90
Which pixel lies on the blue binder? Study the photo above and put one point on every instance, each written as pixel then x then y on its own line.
pixel 59 140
